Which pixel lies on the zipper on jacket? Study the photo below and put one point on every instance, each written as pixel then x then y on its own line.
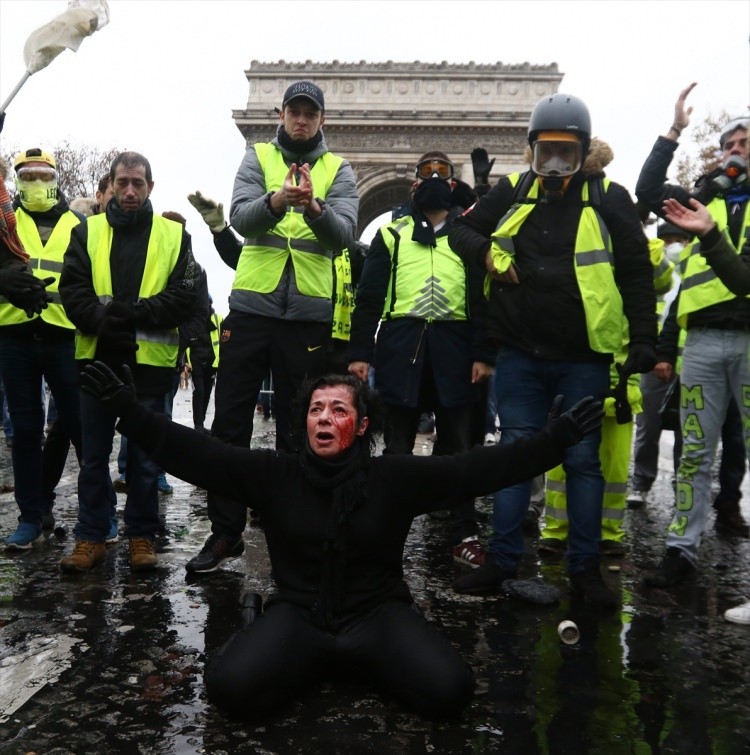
pixel 419 343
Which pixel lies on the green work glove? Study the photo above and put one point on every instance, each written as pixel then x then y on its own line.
pixel 211 212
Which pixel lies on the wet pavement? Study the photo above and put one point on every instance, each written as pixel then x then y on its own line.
pixel 112 661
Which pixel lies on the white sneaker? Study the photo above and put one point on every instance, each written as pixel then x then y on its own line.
pixel 489 439
pixel 739 614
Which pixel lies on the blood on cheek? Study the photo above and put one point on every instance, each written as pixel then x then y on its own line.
pixel 346 428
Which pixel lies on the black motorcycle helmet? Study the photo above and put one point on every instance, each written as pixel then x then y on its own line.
pixel 561 112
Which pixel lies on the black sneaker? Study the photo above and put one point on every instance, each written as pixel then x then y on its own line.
pixel 612 549
pixel 217 551
pixel 590 585
pixel 729 520
pixel 484 579
pixel 674 567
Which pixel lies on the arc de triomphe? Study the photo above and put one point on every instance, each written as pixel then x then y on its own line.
pixel 383 116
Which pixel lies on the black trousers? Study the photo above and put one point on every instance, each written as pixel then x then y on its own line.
pixel 282 654
pixel 292 351
pixel 454 427
pixel 203 383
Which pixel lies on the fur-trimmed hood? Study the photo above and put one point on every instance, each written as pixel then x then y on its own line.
pixel 600 155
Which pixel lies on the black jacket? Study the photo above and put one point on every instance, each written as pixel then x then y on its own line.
pixel 167 309
pixel 652 189
pixel 296 511
pixel 544 314
pixel 406 344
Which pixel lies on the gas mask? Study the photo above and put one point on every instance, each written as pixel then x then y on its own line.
pixel 732 173
pixel 556 157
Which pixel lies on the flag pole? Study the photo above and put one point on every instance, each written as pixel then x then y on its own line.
pixel 17 89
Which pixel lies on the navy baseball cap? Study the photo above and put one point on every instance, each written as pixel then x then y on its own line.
pixel 305 89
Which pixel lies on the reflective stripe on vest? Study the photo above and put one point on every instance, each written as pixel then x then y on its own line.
pixel 606 324
pixel 427 282
pixel 701 286
pixel 343 297
pixel 157 348
pixel 45 261
pixel 264 258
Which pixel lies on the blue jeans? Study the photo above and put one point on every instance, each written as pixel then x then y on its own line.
pixel 24 363
pixel 525 389
pixel 96 494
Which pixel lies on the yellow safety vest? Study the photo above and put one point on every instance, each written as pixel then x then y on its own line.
pixel 701 286
pixel 426 282
pixel 606 324
pixel 343 301
pixel 157 348
pixel 264 258
pixel 45 261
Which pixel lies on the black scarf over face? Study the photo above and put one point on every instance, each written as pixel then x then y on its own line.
pixel 298 147
pixel 346 475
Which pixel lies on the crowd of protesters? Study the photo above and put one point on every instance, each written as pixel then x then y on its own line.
pixel 545 282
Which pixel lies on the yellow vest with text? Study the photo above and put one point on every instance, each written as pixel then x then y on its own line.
pixel 343 297
pixel 216 319
pixel 45 261
pixel 427 282
pixel 701 286
pixel 606 324
pixel 157 348
pixel 264 258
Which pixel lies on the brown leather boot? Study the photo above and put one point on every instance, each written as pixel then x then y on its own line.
pixel 86 555
pixel 142 553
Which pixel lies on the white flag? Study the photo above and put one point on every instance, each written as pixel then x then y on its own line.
pixel 81 19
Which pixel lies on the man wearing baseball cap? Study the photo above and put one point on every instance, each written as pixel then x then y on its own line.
pixel 296 205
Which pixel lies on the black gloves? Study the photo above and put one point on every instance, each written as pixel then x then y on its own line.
pixel 24 290
pixel 122 311
pixel 117 334
pixel 482 166
pixel 641 358
pixel 581 419
pixel 101 382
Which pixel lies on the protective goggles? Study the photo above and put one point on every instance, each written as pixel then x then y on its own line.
pixel 46 175
pixel 556 153
pixel 434 167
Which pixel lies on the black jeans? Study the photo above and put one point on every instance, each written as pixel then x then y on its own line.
pixel 454 427
pixel 292 351
pixel 203 383
pixel 282 654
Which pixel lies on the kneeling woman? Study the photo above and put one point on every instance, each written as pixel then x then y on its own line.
pixel 336 520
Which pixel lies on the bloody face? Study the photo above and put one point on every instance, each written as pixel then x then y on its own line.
pixel 332 422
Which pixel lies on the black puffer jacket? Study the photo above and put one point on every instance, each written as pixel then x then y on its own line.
pixel 544 313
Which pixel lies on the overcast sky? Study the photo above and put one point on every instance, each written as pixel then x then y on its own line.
pixel 164 76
